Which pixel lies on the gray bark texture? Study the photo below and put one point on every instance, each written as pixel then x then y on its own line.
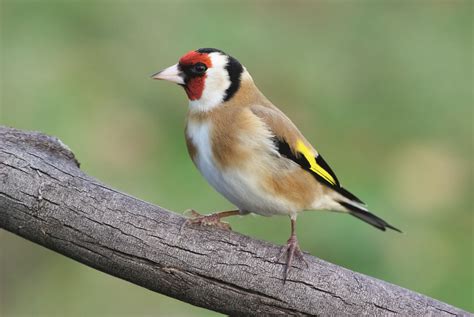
pixel 46 198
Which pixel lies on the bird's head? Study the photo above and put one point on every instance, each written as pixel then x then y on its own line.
pixel 209 77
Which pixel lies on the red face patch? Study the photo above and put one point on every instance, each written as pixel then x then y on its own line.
pixel 195 87
pixel 194 57
pixel 195 84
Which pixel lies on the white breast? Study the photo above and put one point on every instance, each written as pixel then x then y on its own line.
pixel 240 186
pixel 199 133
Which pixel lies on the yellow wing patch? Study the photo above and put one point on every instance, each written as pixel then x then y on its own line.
pixel 314 166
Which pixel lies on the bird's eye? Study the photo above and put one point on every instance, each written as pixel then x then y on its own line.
pixel 199 68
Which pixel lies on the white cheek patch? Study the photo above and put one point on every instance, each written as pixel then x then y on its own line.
pixel 215 86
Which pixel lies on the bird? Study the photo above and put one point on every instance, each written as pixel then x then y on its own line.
pixel 249 151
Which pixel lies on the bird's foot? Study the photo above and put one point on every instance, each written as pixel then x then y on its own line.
pixel 292 249
pixel 213 220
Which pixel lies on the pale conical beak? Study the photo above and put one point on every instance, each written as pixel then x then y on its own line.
pixel 171 73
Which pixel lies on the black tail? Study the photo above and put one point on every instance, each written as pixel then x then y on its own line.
pixel 368 217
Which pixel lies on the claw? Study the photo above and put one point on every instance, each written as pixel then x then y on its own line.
pixel 213 220
pixel 191 213
pixel 292 249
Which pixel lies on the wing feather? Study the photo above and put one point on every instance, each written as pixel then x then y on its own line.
pixel 291 144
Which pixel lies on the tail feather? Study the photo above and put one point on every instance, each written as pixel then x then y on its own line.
pixel 357 208
pixel 347 194
pixel 367 216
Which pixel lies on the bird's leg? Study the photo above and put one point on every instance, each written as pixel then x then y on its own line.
pixel 212 219
pixel 292 249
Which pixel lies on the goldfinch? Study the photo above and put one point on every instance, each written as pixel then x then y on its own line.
pixel 250 151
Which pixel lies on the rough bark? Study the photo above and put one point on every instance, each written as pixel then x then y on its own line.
pixel 46 198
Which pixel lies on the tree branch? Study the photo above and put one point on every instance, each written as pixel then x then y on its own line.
pixel 46 198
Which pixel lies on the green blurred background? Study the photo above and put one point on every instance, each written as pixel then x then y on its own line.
pixel 382 89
